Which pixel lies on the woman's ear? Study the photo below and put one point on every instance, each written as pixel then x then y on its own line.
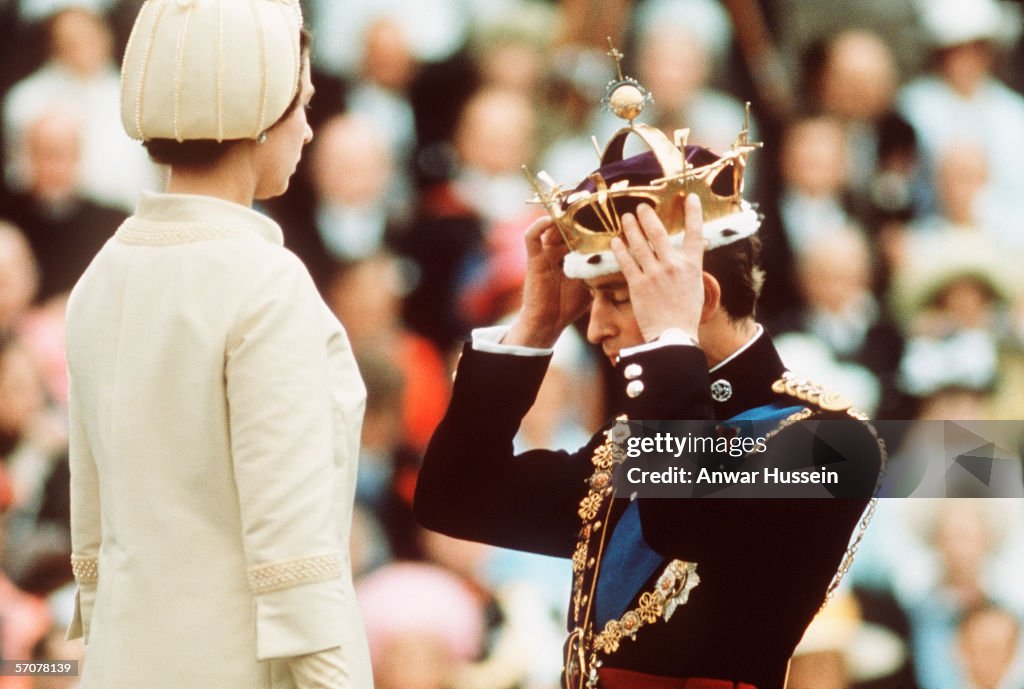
pixel 712 297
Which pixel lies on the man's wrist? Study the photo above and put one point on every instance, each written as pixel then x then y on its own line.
pixel 669 336
pixel 676 336
pixel 524 334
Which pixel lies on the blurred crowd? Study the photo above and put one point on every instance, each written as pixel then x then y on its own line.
pixel 892 188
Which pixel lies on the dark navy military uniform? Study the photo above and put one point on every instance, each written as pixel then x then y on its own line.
pixel 764 564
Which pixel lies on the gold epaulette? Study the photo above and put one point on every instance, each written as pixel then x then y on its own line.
pixel 814 395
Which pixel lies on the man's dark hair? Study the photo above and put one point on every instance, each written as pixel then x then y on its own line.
pixel 206 152
pixel 736 268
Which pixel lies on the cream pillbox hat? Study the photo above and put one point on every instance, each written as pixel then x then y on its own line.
pixel 210 69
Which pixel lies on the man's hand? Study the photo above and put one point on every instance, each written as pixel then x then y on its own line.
pixel 666 285
pixel 551 301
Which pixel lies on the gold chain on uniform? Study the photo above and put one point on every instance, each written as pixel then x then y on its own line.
pixel 671 590
pixel 679 577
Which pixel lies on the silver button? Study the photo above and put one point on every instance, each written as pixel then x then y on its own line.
pixel 632 371
pixel 635 388
pixel 721 390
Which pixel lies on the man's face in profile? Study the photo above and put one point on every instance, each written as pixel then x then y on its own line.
pixel 612 324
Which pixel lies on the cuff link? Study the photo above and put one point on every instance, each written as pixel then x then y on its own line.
pixel 632 371
pixel 635 388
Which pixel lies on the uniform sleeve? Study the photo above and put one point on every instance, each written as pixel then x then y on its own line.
pixel 472 484
pixel 281 446
pixel 796 514
pixel 86 532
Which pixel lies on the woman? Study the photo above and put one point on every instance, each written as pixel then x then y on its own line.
pixel 215 403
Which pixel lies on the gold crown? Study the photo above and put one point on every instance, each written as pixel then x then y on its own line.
pixel 588 218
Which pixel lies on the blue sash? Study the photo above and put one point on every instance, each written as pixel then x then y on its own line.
pixel 628 561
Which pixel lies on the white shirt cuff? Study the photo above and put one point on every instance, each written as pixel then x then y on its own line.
pixel 672 336
pixel 489 340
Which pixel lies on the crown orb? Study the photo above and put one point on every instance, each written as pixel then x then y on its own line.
pixel 627 101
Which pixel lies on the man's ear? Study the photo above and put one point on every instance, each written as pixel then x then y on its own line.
pixel 712 297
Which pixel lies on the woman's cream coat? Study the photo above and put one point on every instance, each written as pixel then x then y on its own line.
pixel 215 417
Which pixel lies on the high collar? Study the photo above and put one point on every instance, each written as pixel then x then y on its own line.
pixel 206 210
pixel 747 376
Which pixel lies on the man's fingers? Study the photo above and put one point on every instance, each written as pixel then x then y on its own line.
pixel 654 230
pixel 693 241
pixel 533 233
pixel 627 264
pixel 553 244
pixel 638 245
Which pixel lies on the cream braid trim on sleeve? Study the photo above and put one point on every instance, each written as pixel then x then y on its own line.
pixel 291 573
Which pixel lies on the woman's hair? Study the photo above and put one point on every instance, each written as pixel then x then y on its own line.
pixel 206 152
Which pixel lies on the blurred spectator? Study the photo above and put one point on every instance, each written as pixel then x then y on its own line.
pixel 523 629
pixel 939 558
pixel 24 618
pixel 433 29
pixel 33 450
pixel 64 229
pixel 381 94
pixel 800 23
pixel 964 534
pixel 495 137
pixel 423 623
pixel 966 202
pixel 989 646
pixel 446 237
pixel 366 297
pixel 852 76
pixel 19 278
pixel 811 199
pixel 512 50
pixel 35 10
pixel 963 101
pixel 677 45
pixel 388 464
pixel 80 77
pixel 839 649
pixel 860 347
pixel 953 296
pixel 350 213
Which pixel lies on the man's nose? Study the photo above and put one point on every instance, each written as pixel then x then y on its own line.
pixel 600 326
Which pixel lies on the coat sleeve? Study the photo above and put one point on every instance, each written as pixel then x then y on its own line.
pixel 86 531
pixel 472 484
pixel 279 407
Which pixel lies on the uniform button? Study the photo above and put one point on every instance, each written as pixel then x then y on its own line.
pixel 721 390
pixel 635 388
pixel 633 371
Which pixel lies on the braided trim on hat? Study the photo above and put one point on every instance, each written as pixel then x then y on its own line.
pixel 291 573
pixel 86 569
pixel 264 76
pixel 220 72
pixel 178 68
pixel 144 68
pixel 295 45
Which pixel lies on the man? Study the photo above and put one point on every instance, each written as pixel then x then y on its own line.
pixel 673 318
